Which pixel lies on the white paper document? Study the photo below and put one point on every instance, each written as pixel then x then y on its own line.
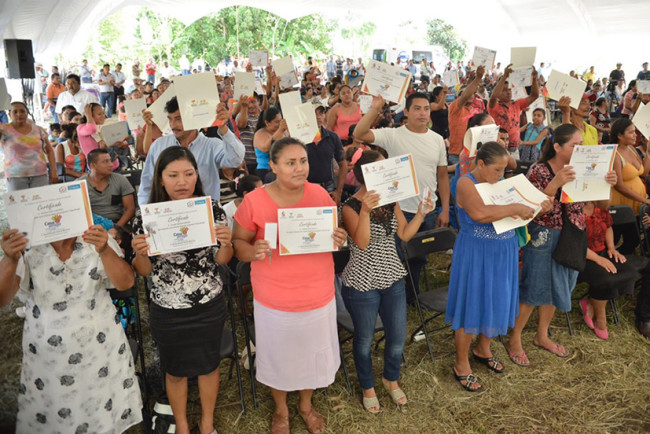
pixel 484 56
pixel 307 230
pixel 115 132
pixel 393 179
pixel 519 93
pixel 157 109
pixel 259 58
pixel 450 78
pixel 286 72
pixel 289 99
pixel 50 213
pixel 521 77
pixel 481 134
pixel 133 109
pixel 591 164
pixel 198 98
pixel 517 189
pixel 365 101
pixel 642 86
pixel 302 122
pixel 244 84
pixel 271 234
pixel 178 225
pixel 522 56
pixel 641 119
pixel 5 98
pixel 388 81
pixel 559 85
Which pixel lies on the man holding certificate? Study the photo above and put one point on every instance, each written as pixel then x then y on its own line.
pixel 429 159
pixel 211 153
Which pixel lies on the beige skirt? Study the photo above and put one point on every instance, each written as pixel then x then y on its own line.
pixel 296 350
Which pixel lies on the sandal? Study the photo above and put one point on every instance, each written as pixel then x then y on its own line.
pixel 280 424
pixel 314 421
pixel 396 395
pixel 491 362
pixel 519 359
pixel 557 350
pixel 469 381
pixel 371 405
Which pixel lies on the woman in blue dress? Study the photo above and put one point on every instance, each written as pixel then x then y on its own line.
pixel 483 287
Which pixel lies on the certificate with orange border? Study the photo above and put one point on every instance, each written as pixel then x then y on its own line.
pixel 591 164
pixel 393 178
pixel 50 213
pixel 388 81
pixel 178 225
pixel 307 230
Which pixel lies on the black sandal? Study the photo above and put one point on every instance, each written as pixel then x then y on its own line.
pixel 491 363
pixel 469 380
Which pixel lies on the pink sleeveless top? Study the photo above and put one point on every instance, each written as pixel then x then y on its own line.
pixel 343 122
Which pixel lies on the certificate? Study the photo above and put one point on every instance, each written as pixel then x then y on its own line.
pixel 51 213
pixel 115 132
pixel 519 93
pixel 479 135
pixel 259 87
pixel 642 86
pixel 450 78
pixel 259 58
pixel 559 85
pixel 521 77
pixel 157 109
pixel 286 72
pixel 365 101
pixel 178 225
pixel 302 122
pixel 388 81
pixel 288 100
pixel 288 80
pixel 641 119
pixel 244 84
pixel 198 97
pixel 307 230
pixel 517 189
pixel 591 164
pixel 484 56
pixel 522 56
pixel 393 179
pixel 133 109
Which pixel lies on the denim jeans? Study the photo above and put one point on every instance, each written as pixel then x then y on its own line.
pixel 363 306
pixel 418 263
pixel 452 159
pixel 106 100
pixel 54 115
pixel 151 78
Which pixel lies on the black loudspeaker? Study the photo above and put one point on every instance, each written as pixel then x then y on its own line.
pixel 20 58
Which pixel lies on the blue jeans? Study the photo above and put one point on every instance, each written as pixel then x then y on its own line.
pixel 185 71
pixel 363 306
pixel 54 115
pixel 151 78
pixel 452 159
pixel 106 100
pixel 418 263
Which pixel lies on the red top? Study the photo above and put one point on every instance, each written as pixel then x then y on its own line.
pixel 507 117
pixel 293 283
pixel 150 68
pixel 597 225
pixel 458 117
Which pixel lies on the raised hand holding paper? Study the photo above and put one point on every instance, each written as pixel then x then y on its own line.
pixel 198 97
pixel 133 109
pixel 365 101
pixel 307 230
pixel 484 56
pixel 388 81
pixel 480 134
pixel 591 164
pixel 559 85
pixel 302 122
pixel 450 78
pixel 244 84
pixel 157 109
pixel 259 58
pixel 521 77
pixel 285 71
pixel 393 179
pixel 178 225
pixel 522 56
pixel 519 93
pixel 51 213
pixel 115 132
pixel 643 86
pixel 288 100
pixel 641 119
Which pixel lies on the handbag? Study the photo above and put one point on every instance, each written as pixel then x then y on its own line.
pixel 571 249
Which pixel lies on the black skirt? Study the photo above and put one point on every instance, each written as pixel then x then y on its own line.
pixel 604 285
pixel 189 340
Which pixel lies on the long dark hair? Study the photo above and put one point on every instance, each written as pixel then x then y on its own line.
pixel 561 135
pixel 366 157
pixel 477 120
pixel 618 127
pixel 489 152
pixel 169 155
pixel 279 145
pixel 266 116
pixel 629 87
pixel 84 119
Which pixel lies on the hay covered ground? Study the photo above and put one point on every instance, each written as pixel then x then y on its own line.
pixel 603 387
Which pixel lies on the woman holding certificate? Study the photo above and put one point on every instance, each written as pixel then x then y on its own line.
pixel 270 127
pixel 295 311
pixel 373 282
pixel 188 310
pixel 484 280
pixel 77 369
pixel 545 282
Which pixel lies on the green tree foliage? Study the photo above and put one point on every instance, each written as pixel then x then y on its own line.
pixel 443 34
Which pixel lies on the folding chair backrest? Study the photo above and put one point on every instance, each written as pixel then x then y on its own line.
pixel 134 177
pixel 522 167
pixel 341 259
pixel 243 273
pixel 435 240
pixel 622 215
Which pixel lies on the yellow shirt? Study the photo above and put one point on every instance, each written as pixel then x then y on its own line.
pixel 589 135
pixel 589 76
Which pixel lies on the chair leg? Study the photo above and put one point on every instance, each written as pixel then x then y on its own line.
pixel 345 370
pixel 146 415
pixel 235 355
pixel 568 323
pixel 420 314
pixel 612 302
pixel 247 336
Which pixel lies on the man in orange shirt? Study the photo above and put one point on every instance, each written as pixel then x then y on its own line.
pixel 52 93
pixel 459 113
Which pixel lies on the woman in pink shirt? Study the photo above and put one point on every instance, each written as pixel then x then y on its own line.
pixel 89 136
pixel 295 312
pixel 344 114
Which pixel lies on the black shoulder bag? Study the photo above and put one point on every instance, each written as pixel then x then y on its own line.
pixel 571 249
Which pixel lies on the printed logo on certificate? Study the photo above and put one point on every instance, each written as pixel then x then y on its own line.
pixel 393 179
pixel 307 230
pixel 50 213
pixel 591 164
pixel 178 225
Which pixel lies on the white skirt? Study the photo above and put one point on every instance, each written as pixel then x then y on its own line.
pixel 296 350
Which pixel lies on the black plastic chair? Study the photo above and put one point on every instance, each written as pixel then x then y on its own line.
pixel 422 244
pixel 244 278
